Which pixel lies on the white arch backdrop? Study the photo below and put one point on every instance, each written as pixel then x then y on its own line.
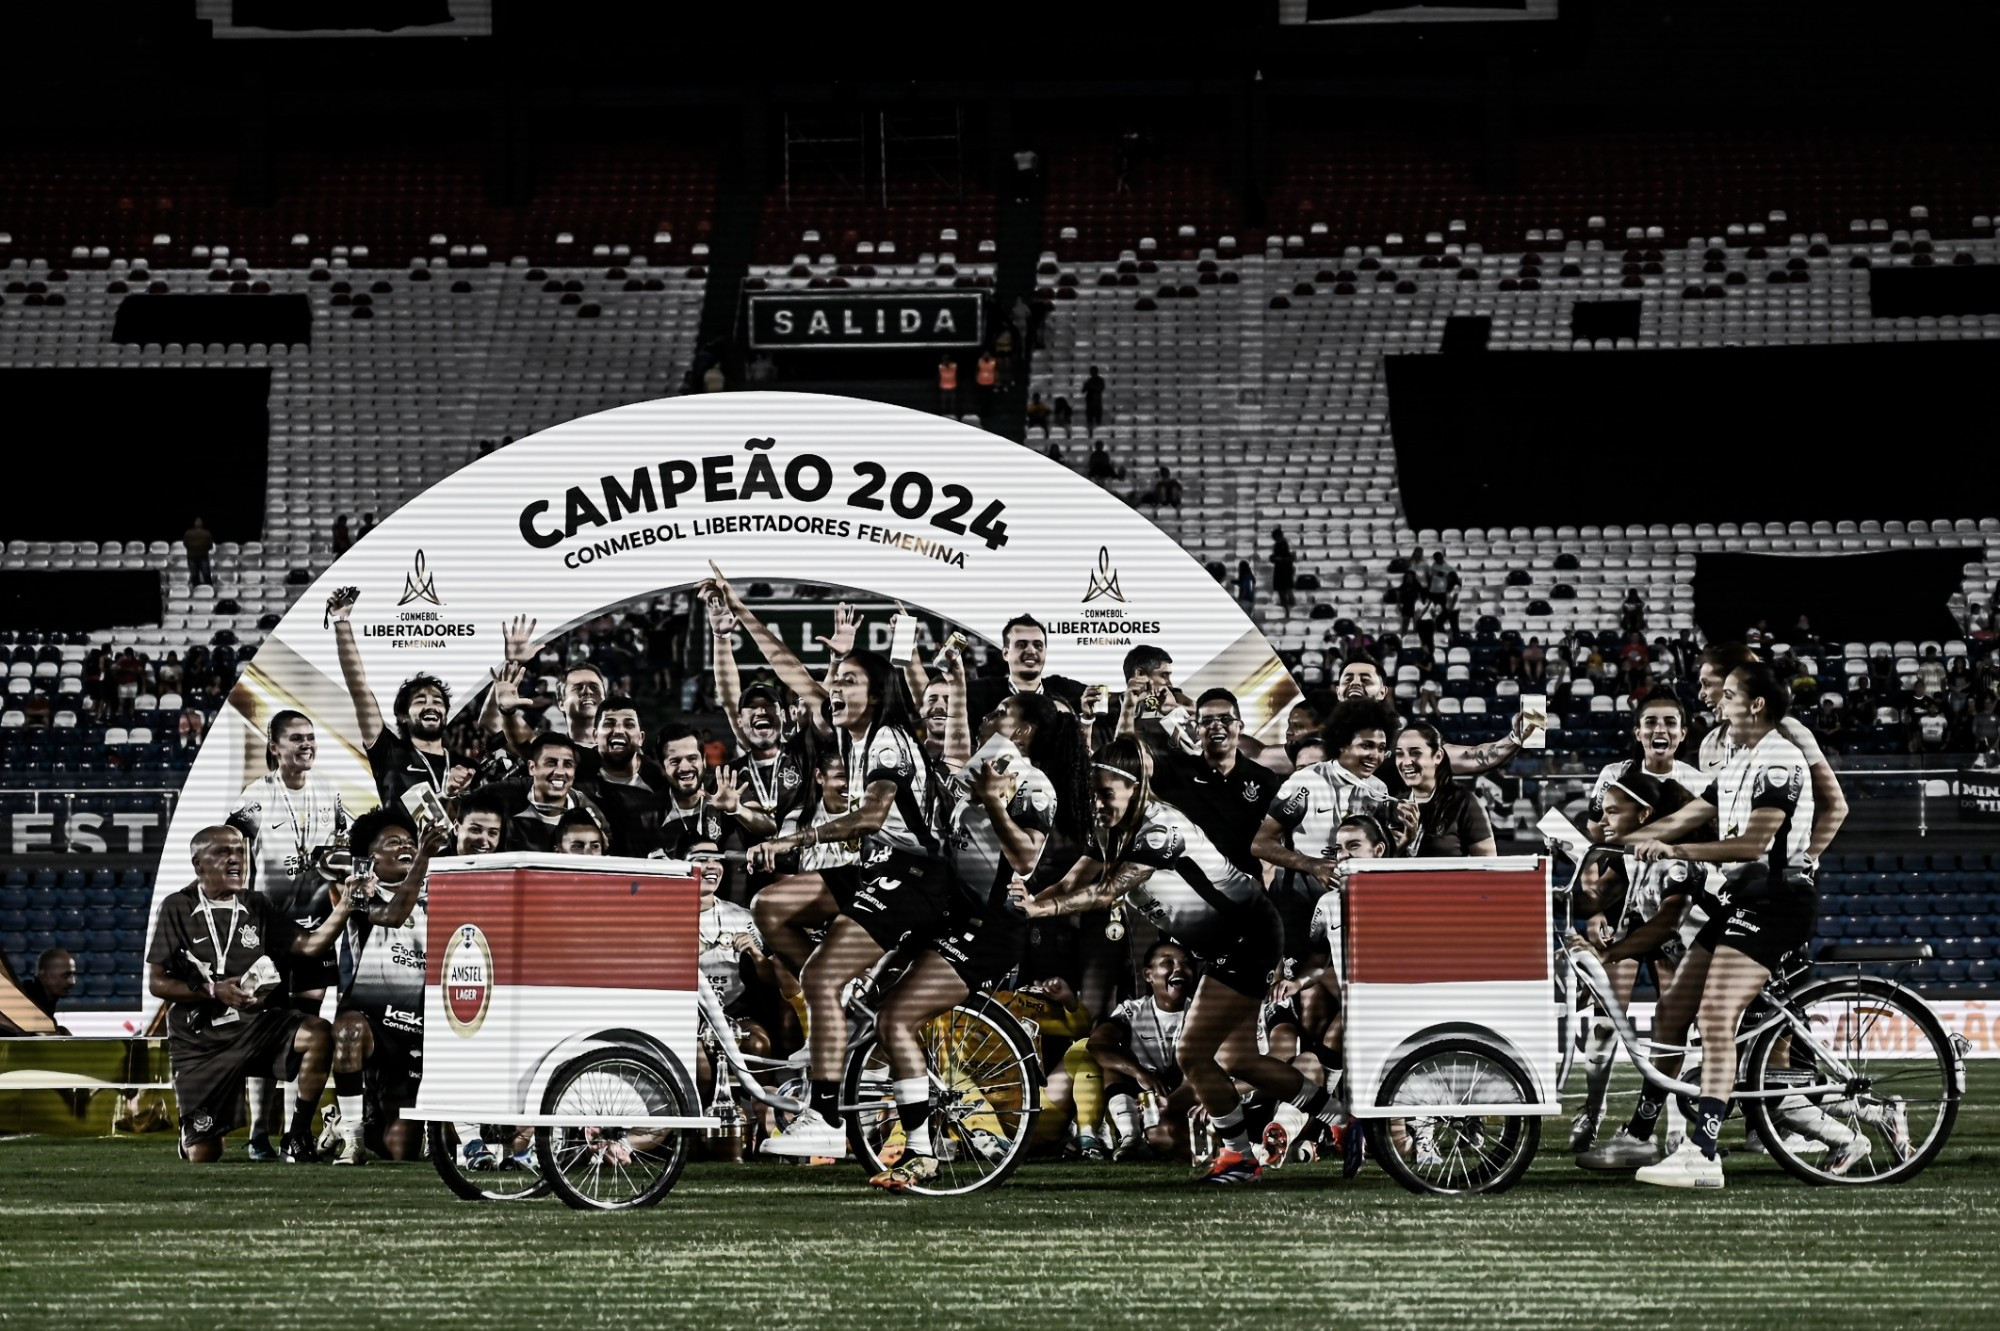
pixel 771 486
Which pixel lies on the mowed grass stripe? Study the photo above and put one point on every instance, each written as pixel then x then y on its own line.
pixel 120 1229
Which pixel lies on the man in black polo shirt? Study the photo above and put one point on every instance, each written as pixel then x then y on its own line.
pixel 537 802
pixel 412 752
pixel 214 959
pixel 1024 643
pixel 1222 792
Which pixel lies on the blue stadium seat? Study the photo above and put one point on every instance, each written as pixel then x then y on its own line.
pixel 1951 972
pixel 1982 972
pixel 41 920
pixel 1948 949
pixel 1889 927
pixel 1978 947
pixel 13 898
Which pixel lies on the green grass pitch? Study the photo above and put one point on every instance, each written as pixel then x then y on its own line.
pixel 120 1233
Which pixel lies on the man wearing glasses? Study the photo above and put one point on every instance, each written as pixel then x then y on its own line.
pixel 1221 791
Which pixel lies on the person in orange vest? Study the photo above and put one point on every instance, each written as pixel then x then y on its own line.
pixel 987 376
pixel 948 386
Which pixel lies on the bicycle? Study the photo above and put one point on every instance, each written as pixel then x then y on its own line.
pixel 615 1135
pixel 1866 1052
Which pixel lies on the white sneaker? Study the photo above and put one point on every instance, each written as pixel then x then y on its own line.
pixel 1623 1151
pixel 806 1137
pixel 1892 1120
pixel 1847 1155
pixel 352 1152
pixel 1685 1168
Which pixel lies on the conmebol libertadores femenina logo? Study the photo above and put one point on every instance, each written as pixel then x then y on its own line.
pixel 467 980
pixel 1103 578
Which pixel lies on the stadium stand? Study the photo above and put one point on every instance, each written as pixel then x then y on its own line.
pixel 1246 360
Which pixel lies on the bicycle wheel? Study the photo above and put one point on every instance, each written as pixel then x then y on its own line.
pixel 611 1165
pixel 1902 1083
pixel 506 1171
pixel 1437 1151
pixel 985 1093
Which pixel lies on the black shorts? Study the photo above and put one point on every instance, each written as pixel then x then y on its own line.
pixel 305 975
pixel 985 945
pixel 394 1070
pixel 1246 952
pixel 208 1083
pixel 1767 918
pixel 894 897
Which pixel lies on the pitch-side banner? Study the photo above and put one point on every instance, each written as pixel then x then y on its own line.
pixel 961 525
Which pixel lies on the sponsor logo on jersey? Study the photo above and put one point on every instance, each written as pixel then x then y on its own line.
pixel 1779 775
pixel 467 980
pixel 1157 838
pixel 402 1018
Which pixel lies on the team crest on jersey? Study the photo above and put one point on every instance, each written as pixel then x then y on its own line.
pixel 201 1125
pixel 1250 794
pixel 789 778
pixel 466 981
pixel 247 935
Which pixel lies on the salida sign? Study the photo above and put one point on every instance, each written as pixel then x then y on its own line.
pixel 861 320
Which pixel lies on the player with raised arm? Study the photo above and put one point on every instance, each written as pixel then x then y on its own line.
pixel 412 752
pixel 1361 679
pixel 378 1038
pixel 901 884
pixel 1027 778
pixel 1151 854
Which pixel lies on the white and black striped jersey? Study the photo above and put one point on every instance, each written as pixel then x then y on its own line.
pixel 285 826
pixel 1771 774
pixel 894 755
pixel 981 862
pixel 1151 1034
pixel 1313 800
pixel 1195 891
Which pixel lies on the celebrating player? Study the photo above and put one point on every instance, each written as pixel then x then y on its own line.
pixel 412 752
pixel 378 1039
pixel 1027 777
pixel 290 814
pixel 1151 854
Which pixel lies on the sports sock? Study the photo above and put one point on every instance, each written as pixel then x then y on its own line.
pixel 1597 1066
pixel 1125 1117
pixel 347 1095
pixel 1320 1103
pixel 798 1002
pixel 1231 1128
pixel 913 1111
pixel 826 1099
pixel 257 1091
pixel 1257 1114
pixel 302 1115
pixel 1709 1114
pixel 1087 1091
pixel 1646 1115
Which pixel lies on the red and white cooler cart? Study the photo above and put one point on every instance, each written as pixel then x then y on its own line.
pixel 1449 992
pixel 562 1003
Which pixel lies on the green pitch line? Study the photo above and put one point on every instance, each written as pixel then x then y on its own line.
pixel 119 1232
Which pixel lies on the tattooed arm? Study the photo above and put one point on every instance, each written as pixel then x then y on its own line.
pixel 1095 895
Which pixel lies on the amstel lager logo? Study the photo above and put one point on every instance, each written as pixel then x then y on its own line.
pixel 468 980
